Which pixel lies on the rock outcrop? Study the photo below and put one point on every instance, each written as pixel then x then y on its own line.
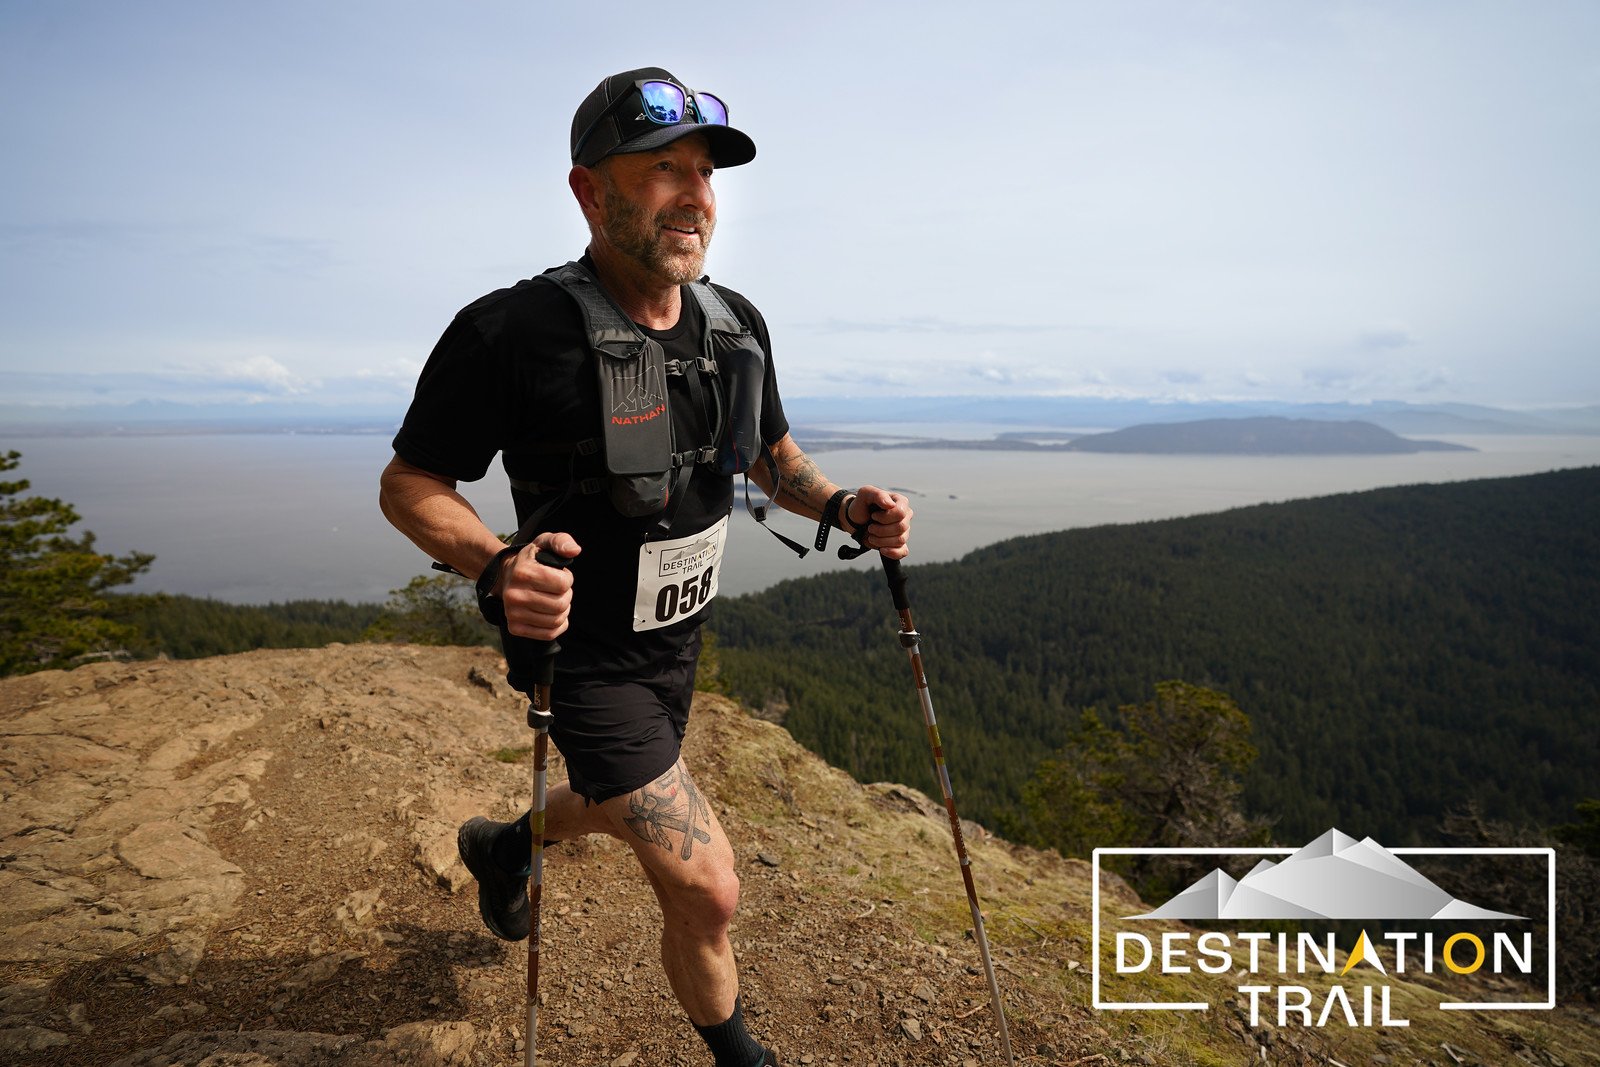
pixel 249 861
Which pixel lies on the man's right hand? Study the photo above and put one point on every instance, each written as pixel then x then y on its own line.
pixel 537 598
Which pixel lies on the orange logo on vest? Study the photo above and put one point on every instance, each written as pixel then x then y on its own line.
pixel 634 420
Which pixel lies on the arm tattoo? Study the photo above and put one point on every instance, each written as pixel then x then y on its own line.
pixel 671 802
pixel 803 480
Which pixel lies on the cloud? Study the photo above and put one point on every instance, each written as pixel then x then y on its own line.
pixel 1328 376
pixel 1183 377
pixel 1383 339
pixel 290 257
pixel 1384 377
pixel 261 373
pixel 1434 380
pixel 210 246
pixel 920 324
pixel 249 378
pixel 996 370
pixel 399 369
pixel 854 376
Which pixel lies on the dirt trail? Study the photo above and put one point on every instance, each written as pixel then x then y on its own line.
pixel 250 861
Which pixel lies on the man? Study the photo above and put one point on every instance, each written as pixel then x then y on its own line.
pixel 515 373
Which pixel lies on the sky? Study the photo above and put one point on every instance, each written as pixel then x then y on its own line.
pixel 1340 201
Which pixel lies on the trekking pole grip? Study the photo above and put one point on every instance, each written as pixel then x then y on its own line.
pixel 897 583
pixel 891 568
pixel 546 672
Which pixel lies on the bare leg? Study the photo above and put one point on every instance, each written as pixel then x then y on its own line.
pixel 689 863
pixel 568 816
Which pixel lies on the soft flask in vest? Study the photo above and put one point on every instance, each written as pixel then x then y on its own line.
pixel 741 368
pixel 638 428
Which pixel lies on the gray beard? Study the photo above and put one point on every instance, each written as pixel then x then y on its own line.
pixel 641 240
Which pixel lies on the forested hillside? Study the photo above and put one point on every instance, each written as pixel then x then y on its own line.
pixel 1400 652
pixel 186 627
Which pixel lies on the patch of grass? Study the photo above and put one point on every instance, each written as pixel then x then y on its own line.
pixel 511 755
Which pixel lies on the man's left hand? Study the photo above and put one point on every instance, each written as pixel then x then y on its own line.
pixel 889 515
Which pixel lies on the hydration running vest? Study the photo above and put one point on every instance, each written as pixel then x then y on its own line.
pixel 635 459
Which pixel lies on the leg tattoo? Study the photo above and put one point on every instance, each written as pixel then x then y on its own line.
pixel 671 802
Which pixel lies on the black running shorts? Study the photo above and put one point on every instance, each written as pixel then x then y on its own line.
pixel 620 735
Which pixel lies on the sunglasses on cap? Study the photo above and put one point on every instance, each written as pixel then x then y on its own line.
pixel 663 103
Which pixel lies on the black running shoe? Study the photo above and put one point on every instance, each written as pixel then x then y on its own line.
pixel 502 896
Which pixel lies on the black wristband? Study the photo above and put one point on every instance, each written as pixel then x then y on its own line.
pixel 490 606
pixel 830 518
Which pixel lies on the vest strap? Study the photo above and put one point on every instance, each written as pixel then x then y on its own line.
pixel 719 316
pixel 707 367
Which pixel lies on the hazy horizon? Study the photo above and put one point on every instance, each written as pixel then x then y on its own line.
pixel 828 412
pixel 254 518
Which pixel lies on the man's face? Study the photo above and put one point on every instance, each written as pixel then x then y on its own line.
pixel 657 208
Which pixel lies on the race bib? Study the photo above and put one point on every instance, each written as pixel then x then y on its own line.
pixel 677 578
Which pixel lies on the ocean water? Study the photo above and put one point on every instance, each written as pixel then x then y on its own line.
pixel 253 518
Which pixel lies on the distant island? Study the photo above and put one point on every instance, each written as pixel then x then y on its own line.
pixel 1263 436
pixel 1255 436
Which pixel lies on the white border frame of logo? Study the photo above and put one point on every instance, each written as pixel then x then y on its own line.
pixel 1549 853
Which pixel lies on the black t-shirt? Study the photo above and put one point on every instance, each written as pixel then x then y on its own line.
pixel 514 370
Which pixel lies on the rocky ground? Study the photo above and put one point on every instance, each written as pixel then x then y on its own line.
pixel 250 861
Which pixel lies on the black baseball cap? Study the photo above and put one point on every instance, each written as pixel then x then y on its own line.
pixel 609 123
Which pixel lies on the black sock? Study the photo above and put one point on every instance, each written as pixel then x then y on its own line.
pixel 731 1044
pixel 513 846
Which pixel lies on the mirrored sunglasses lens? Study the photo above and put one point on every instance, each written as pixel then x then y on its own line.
pixel 711 109
pixel 663 102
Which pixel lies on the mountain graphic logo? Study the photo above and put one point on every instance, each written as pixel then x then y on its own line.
pixel 637 392
pixel 1333 877
pixel 692 556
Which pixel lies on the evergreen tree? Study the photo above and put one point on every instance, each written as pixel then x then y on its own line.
pixel 53 604
pixel 438 609
pixel 708 672
pixel 1166 774
pixel 1521 888
pixel 1583 835
pixel 1074 800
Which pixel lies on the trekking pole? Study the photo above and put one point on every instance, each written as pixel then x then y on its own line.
pixel 539 717
pixel 911 641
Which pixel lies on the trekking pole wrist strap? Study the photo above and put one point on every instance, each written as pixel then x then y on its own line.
pixel 859 535
pixel 490 606
pixel 830 518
